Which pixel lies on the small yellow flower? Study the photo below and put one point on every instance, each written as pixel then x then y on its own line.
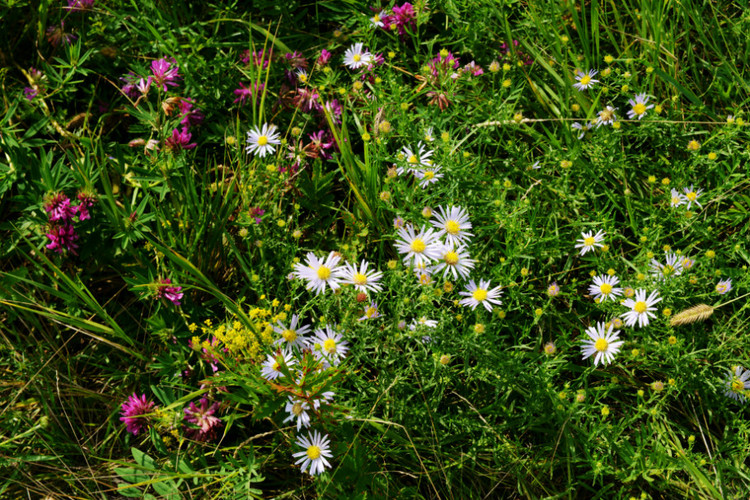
pixel 281 223
pixel 605 410
pixel 507 83
pixel 392 264
pixel 665 181
pixel 712 156
pixel 710 254
pixel 693 145
pixel 479 328
pixel 405 106
pixel 494 67
pixel 609 59
pixel 445 137
pixel 506 67
pixel 391 54
pixel 384 127
pixel 518 117
pixel 538 312
pixel 385 195
pixel 507 183
pixel 358 85
pixel 625 88
pixel 651 179
pixel 658 109
pixel 501 314
pixel 366 137
pixel 297 234
pixel 667 312
pixel 575 108
pixel 564 39
pixel 672 340
pixel 566 164
pixel 445 359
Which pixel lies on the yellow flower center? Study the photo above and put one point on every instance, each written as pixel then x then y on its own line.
pixel 412 159
pixel 640 307
pixel 297 409
pixel 639 108
pixel 479 294
pixel 691 196
pixel 370 312
pixel 276 367
pixel 417 246
pixel 376 18
pixel 451 258
pixel 601 345
pixel 675 200
pixel 359 279
pixel 589 241
pixel 329 346
pixel 606 288
pixel 667 270
pixel 289 335
pixel 356 58
pixel 606 115
pixel 262 140
pixel 429 174
pixel 452 227
pixel 585 80
pixel 737 385
pixel 313 452
pixel 324 273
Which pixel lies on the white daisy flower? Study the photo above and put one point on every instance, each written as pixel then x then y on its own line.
pixel 297 408
pixel 262 141
pixel 419 158
pixel 454 259
pixel 640 308
pixel 292 336
pixel 454 223
pixel 582 128
pixel 590 240
pixel 676 199
pixel 724 286
pixel 481 294
pixel 421 247
pixel 355 57
pixel 302 75
pixel 362 280
pixel 377 19
pixel 737 384
pixel 638 106
pixel 319 273
pixel 604 288
pixel 691 196
pixel 272 368
pixel 328 345
pixel 317 449
pixel 673 267
pixel 585 80
pixel 428 176
pixel 604 343
pixel 428 135
pixel 423 321
pixel 606 117
pixel 371 312
pixel 686 263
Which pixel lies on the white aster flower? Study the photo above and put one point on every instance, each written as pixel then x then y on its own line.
pixel 606 117
pixel 328 345
pixel 454 260
pixel 585 80
pixel 453 222
pixel 297 408
pixel 589 241
pixel 423 321
pixel 371 312
pixel 604 343
pixel 262 141
pixel 604 288
pixel 641 308
pixel 428 176
pixel 676 199
pixel 691 196
pixel 724 286
pixel 377 19
pixel 292 336
pixel 319 273
pixel 362 279
pixel 686 262
pixel 638 106
pixel 355 56
pixel 272 368
pixel 583 128
pixel 417 159
pixel 317 449
pixel 737 384
pixel 428 135
pixel 421 247
pixel 673 267
pixel 481 294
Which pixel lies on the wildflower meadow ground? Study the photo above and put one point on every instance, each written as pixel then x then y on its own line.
pixel 462 249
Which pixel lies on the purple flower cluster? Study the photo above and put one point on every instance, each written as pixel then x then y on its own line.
pixel 204 425
pixel 403 18
pixel 61 213
pixel 506 53
pixel 165 289
pixel 132 413
pixel 56 35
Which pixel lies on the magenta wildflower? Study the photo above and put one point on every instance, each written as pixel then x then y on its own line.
pixel 474 69
pixel 403 17
pixel 296 60
pixel 202 417
pixel 259 58
pixel 130 89
pixel 442 64
pixel 306 99
pixel 58 208
pixel 245 92
pixel 179 140
pixel 62 238
pixel 85 201
pixel 334 109
pixel 190 113
pixel 324 58
pixel 168 291
pixel 165 73
pixel 56 35
pixel 80 5
pixel 256 213
pixel 132 411
pixel 30 93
